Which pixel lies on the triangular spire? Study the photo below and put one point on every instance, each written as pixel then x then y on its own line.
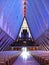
pixel 25 26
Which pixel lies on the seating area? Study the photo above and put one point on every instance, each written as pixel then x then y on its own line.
pixel 41 56
pixel 24 32
pixel 8 57
pixel 13 57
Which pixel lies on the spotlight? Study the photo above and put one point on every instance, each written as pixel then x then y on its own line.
pixel 25 54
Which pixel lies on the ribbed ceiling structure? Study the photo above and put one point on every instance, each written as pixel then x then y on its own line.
pixel 37 16
pixel 36 13
pixel 11 16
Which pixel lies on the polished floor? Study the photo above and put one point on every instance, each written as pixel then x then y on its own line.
pixel 28 61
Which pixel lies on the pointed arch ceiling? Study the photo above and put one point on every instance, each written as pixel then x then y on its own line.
pixel 37 14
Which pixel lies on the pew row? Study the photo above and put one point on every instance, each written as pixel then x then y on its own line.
pixel 41 56
pixel 8 57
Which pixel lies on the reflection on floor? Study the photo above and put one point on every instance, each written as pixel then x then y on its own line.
pixel 21 60
pixel 25 57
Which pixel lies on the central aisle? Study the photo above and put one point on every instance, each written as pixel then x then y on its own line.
pixel 28 61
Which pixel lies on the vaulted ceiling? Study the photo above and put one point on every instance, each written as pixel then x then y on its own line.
pixel 12 13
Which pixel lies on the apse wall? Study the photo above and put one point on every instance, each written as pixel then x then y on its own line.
pixel 37 16
pixel 11 16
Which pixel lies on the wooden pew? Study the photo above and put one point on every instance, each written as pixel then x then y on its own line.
pixel 8 57
pixel 41 57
